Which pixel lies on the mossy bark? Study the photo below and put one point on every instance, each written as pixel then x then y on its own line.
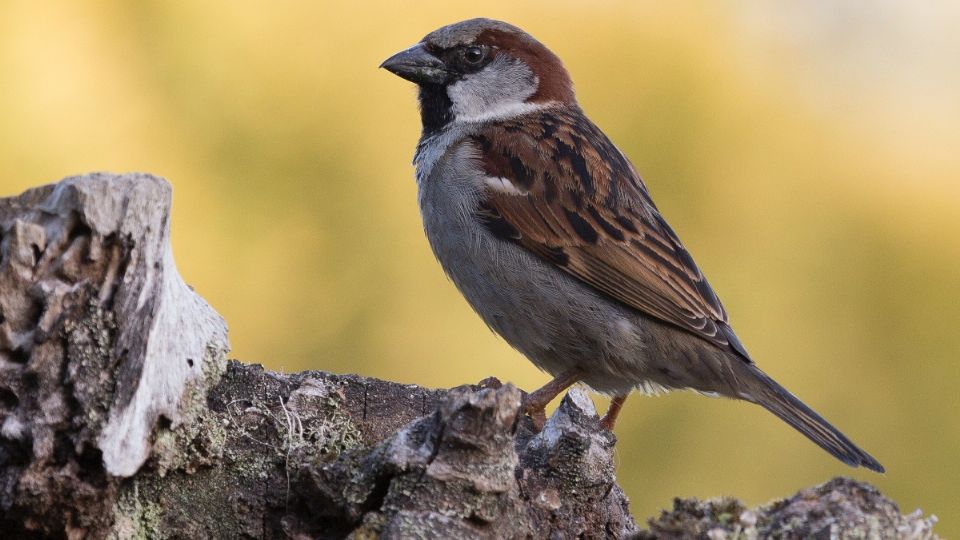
pixel 120 417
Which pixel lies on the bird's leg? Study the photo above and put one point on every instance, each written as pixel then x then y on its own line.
pixel 613 411
pixel 537 401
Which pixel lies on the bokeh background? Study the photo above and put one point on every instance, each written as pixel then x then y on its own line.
pixel 807 153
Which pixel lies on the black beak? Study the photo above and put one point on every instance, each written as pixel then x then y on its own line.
pixel 416 64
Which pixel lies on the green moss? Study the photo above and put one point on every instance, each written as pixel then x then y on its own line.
pixel 134 518
pixel 694 518
pixel 312 424
pixel 90 341
pixel 200 437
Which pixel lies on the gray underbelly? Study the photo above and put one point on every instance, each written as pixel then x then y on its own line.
pixel 549 316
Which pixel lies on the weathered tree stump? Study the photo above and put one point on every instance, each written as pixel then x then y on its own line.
pixel 120 417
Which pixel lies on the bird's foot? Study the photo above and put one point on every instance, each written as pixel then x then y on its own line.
pixel 609 419
pixel 490 382
pixel 539 418
pixel 535 403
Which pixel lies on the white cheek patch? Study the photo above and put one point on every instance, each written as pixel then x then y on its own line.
pixel 503 185
pixel 501 111
pixel 496 92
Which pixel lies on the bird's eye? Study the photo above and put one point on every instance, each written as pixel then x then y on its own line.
pixel 473 55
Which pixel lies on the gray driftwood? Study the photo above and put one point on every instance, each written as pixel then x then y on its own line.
pixel 120 417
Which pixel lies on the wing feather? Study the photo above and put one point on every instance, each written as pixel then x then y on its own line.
pixel 582 206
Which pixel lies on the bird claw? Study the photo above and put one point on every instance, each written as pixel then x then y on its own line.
pixel 539 418
pixel 609 419
pixel 490 382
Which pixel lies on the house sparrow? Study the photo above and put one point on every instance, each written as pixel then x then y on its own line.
pixel 548 231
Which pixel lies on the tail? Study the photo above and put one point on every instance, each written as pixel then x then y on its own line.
pixel 764 391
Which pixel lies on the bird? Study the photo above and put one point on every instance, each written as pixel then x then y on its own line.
pixel 548 231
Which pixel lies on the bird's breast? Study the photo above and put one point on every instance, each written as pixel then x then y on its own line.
pixel 544 313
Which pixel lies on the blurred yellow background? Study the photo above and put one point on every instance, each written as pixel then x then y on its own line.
pixel 807 153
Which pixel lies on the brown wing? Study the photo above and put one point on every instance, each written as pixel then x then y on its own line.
pixel 575 200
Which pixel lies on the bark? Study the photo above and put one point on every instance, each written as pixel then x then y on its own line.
pixel 120 417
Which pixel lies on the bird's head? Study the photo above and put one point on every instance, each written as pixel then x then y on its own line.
pixel 481 69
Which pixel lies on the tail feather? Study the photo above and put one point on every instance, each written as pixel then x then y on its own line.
pixel 767 393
